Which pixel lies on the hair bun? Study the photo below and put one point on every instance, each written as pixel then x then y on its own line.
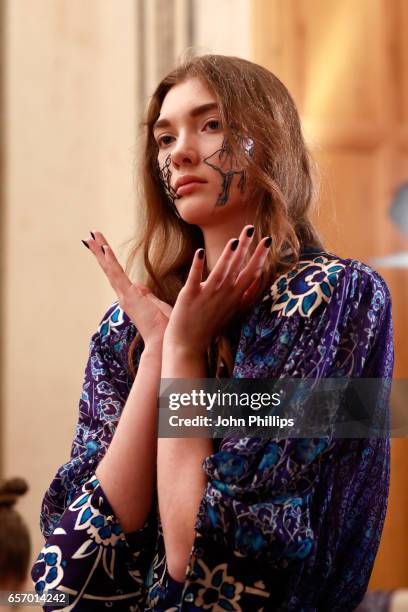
pixel 11 489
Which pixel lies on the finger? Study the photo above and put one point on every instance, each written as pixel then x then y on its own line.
pixel 109 264
pixel 115 273
pixel 220 271
pixel 98 238
pixel 228 266
pixel 196 271
pixel 254 267
pixel 241 252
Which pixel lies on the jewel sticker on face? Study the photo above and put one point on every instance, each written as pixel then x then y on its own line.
pixel 248 145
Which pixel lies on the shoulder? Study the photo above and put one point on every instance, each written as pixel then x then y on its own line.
pixel 319 278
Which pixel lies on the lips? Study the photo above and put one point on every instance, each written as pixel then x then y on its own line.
pixel 188 180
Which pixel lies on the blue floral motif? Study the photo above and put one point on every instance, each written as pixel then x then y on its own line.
pixel 92 447
pixel 281 284
pixel 103 531
pixel 300 550
pixel 270 457
pixel 216 587
pixel 307 449
pixel 48 569
pixel 114 319
pixel 231 466
pixel 303 289
pixel 249 539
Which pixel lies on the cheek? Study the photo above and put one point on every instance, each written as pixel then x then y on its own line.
pixel 161 158
pixel 235 193
pixel 211 145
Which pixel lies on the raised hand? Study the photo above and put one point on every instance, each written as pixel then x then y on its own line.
pixel 203 308
pixel 149 314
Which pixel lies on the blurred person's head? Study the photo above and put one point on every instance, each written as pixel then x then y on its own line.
pixel 14 537
pixel 234 126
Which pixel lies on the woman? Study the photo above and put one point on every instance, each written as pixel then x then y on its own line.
pixel 237 285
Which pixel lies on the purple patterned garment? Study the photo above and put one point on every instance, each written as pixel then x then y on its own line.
pixel 289 524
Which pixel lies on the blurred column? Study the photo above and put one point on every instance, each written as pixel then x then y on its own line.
pixel 222 26
pixel 165 33
pixel 171 27
pixel 71 108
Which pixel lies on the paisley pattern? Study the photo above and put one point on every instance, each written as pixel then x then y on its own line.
pixel 288 524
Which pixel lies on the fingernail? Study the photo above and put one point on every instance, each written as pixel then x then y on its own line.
pixel 201 254
pixel 268 242
pixel 93 235
pixel 235 244
pixel 85 243
pixel 250 231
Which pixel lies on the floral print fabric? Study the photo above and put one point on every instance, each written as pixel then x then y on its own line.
pixel 283 524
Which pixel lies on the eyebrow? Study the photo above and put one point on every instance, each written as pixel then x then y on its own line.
pixel 195 112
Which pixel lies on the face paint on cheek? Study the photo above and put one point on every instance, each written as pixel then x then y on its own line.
pixel 164 176
pixel 223 161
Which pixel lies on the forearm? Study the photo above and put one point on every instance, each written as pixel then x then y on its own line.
pixel 181 481
pixel 127 471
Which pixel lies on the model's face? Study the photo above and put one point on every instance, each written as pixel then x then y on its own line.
pixel 197 171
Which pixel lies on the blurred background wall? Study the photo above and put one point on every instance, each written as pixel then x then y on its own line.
pixel 75 78
pixel 69 124
pixel 346 64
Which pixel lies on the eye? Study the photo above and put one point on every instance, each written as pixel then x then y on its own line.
pixel 213 124
pixel 162 141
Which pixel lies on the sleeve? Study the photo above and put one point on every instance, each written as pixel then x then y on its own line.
pixel 259 494
pixel 378 601
pixel 86 552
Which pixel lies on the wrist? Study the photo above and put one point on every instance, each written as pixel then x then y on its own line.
pixel 153 349
pixel 182 361
pixel 182 350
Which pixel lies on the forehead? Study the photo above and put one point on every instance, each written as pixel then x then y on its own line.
pixel 184 96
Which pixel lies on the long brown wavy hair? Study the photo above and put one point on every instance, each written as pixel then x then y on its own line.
pixel 282 183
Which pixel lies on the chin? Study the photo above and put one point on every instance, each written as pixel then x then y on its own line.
pixel 205 214
pixel 195 211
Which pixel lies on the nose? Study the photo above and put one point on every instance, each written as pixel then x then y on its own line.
pixel 184 152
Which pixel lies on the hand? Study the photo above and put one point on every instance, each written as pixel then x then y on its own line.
pixel 203 308
pixel 148 313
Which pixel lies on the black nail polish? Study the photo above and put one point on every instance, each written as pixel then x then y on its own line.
pixel 85 243
pixel 250 232
pixel 93 235
pixel 235 244
pixel 268 242
pixel 201 254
